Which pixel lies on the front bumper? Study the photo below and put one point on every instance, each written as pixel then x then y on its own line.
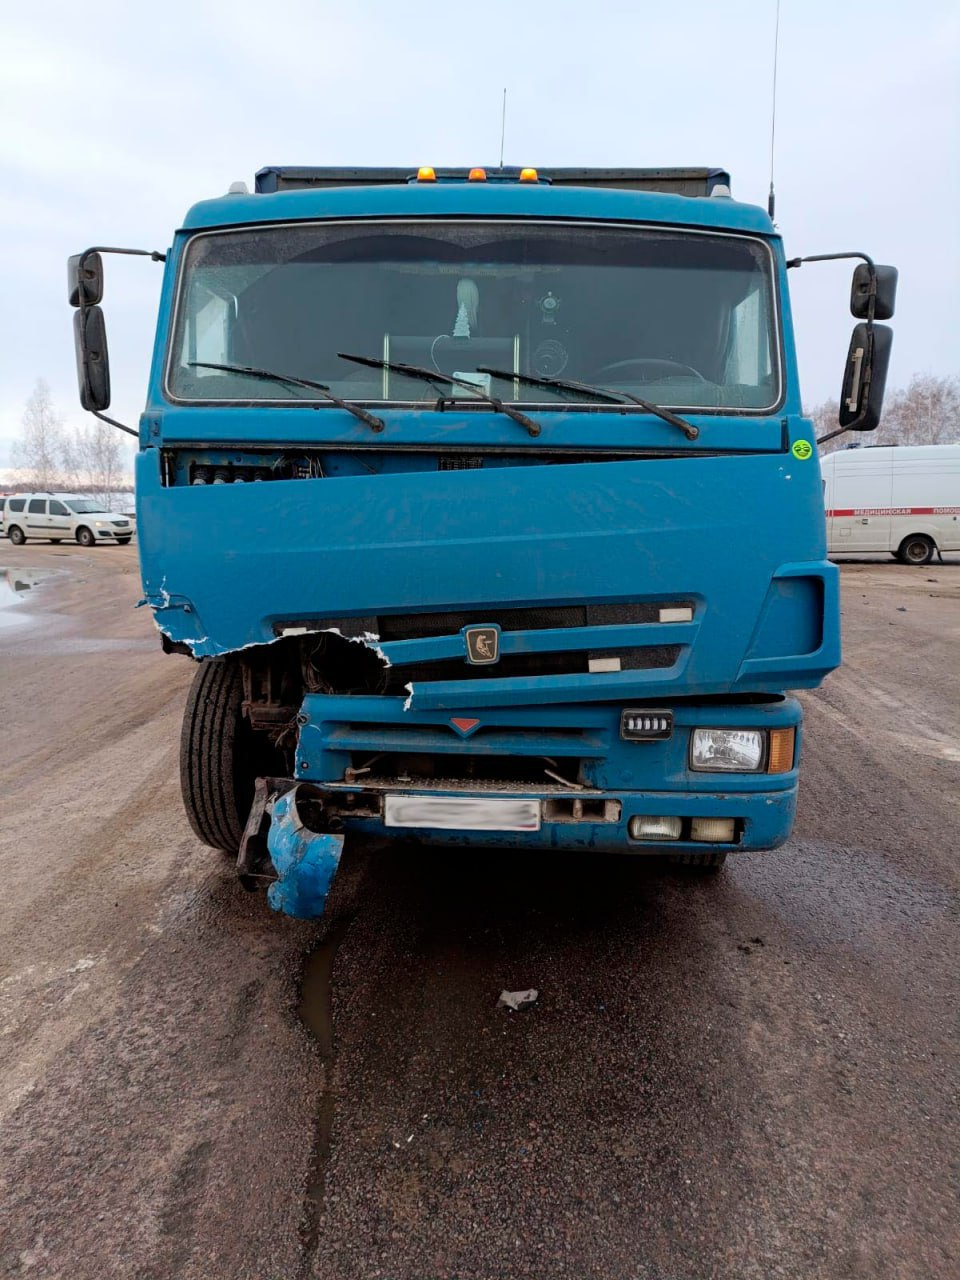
pixel 763 821
pixel 587 781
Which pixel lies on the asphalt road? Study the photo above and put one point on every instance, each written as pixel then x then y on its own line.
pixel 753 1077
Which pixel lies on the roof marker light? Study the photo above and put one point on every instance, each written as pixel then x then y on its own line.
pixel 426 174
pixel 477 175
pixel 529 175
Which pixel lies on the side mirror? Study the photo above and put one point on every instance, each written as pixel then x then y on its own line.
pixel 93 365
pixel 886 292
pixel 865 377
pixel 85 284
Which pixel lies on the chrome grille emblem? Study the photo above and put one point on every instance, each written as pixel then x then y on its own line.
pixel 483 645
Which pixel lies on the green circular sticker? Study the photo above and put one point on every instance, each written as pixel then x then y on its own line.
pixel 802 449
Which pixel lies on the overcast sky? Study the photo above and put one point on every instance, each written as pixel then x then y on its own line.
pixel 118 116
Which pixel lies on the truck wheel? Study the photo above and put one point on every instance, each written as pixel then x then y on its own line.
pixel 16 535
pixel 85 536
pixel 916 549
pixel 217 764
pixel 700 863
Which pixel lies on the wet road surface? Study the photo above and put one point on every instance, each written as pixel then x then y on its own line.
pixel 753 1076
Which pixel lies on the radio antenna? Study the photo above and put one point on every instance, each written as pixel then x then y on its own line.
pixel 771 198
pixel 503 126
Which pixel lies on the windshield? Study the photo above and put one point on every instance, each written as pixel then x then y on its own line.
pixel 682 319
pixel 86 507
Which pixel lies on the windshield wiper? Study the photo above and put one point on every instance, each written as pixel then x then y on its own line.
pixel 374 423
pixel 429 375
pixel 587 388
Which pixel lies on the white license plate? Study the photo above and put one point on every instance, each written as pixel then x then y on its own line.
pixel 461 813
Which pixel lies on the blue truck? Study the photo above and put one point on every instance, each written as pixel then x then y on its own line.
pixel 485 504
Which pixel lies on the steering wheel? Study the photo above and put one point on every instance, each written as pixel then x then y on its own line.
pixel 646 370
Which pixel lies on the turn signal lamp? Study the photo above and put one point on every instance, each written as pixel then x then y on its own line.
pixel 780 753
pixel 529 175
pixel 426 174
pixel 477 175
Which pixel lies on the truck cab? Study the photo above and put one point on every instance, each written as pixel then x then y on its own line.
pixel 485 503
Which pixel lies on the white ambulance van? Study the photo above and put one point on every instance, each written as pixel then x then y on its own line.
pixel 904 499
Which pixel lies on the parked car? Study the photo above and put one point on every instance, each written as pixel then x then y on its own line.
pixel 904 499
pixel 57 516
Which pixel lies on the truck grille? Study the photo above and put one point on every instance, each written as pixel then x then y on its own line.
pixel 414 626
pixel 405 662
pixel 653 657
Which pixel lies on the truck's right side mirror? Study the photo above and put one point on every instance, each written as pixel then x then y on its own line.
pixel 886 292
pixel 865 377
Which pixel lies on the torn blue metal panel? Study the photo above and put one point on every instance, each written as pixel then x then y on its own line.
pixel 602 532
pixel 305 861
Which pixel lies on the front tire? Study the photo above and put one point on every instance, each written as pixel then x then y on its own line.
pixel 85 536
pixel 55 542
pixel 124 541
pixel 16 535
pixel 916 549
pixel 216 763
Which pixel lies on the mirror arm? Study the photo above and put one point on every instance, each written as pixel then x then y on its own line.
pixel 831 434
pixel 113 422
pixel 153 254
pixel 834 257
pixel 827 257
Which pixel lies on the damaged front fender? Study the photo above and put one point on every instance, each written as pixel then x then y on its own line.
pixel 305 860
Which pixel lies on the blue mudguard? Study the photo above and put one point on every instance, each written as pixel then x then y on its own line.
pixel 305 861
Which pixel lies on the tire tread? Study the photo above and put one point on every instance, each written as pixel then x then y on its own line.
pixel 208 743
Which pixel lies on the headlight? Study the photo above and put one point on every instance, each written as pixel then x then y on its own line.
pixel 727 750
pixel 102 524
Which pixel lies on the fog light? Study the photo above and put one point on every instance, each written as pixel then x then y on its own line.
pixel 713 830
pixel 643 827
pixel 727 750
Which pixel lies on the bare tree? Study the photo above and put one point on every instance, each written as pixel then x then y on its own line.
pixel 926 411
pixel 39 451
pixel 94 462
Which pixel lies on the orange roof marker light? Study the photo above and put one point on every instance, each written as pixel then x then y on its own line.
pixel 477 175
pixel 529 175
pixel 426 174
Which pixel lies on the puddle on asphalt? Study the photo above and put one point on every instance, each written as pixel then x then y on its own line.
pixel 15 588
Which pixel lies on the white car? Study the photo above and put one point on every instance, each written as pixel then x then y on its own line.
pixel 56 516
pixel 904 499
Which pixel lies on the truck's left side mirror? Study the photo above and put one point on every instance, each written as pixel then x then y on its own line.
pixel 93 365
pixel 886 291
pixel 85 283
pixel 865 377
